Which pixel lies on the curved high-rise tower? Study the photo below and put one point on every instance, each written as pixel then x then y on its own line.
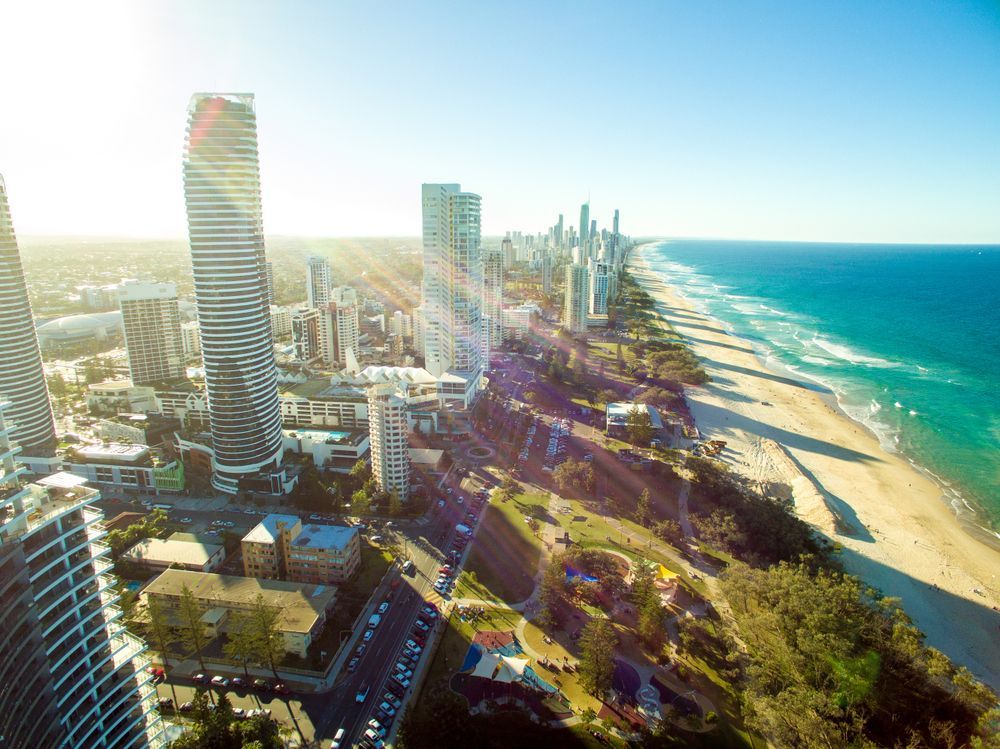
pixel 222 193
pixel 22 381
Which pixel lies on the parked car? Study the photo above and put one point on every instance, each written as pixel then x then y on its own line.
pixel 362 693
pixel 383 607
pixel 220 681
pixel 387 708
pixel 261 685
pixel 238 682
pixel 199 678
pixel 282 689
pixel 353 665
pixel 186 707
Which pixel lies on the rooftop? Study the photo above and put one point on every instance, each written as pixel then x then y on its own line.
pixel 267 530
pixel 171 551
pixel 618 413
pixel 301 605
pixel 325 537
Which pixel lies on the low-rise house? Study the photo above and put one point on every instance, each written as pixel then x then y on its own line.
pixel 159 554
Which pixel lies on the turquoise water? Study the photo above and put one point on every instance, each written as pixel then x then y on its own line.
pixel 907 337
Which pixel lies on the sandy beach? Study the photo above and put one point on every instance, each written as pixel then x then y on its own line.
pixel 897 532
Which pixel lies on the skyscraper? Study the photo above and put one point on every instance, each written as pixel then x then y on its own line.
pixel 318 281
pixel 584 223
pixel 305 334
pixel 338 326
pixel 387 431
pixel 71 675
pixel 152 323
pixel 493 295
pixel 599 283
pixel 614 226
pixel 547 273
pixel 269 273
pixel 559 231
pixel 576 300
pixel 22 381
pixel 222 193
pixel 452 284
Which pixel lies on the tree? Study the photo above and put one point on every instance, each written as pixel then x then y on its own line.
pixel 219 728
pixel 192 629
pixel 669 530
pixel 267 635
pixel 650 627
pixel 597 665
pixel 158 630
pixel 588 716
pixel 639 425
pixel 360 502
pixel 642 509
pixel 395 505
pixel 359 470
pixel 241 644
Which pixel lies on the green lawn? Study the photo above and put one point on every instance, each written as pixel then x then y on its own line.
pixel 504 557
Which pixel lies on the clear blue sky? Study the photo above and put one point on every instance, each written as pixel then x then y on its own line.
pixel 844 121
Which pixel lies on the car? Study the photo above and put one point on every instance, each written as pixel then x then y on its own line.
pixel 282 689
pixel 460 500
pixel 362 693
pixel 383 607
pixel 401 670
pixel 186 521
pixel 220 681
pixel 166 703
pixel 383 717
pixel 388 709
pixel 440 503
pixel 374 724
pixel 158 674
pixel 420 625
pixel 199 678
pixel 395 688
pixel 432 614
pixel 338 738
pixel 393 700
pixel 353 665
pixel 264 712
pixel 372 735
pixel 407 653
pixel 315 517
pixel 186 707
pixel 408 662
pixel 419 638
pixel 238 682
pixel 361 650
pixel 413 646
pixel 261 685
pixel 446 570
pixel 401 680
pixel 369 634
pixel 239 712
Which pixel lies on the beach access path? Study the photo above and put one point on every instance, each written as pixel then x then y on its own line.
pixel 897 532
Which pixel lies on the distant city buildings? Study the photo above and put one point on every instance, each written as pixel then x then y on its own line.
pixel 281 321
pixel 222 195
pixel 585 227
pixel 152 323
pixel 305 334
pixel 190 340
pixel 452 288
pixel 22 381
pixel 388 429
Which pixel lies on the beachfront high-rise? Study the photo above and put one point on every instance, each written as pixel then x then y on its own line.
pixel 22 381
pixel 222 193
pixel 152 322
pixel 387 430
pixel 452 285
pixel 493 296
pixel 576 302
pixel 584 226
pixel 318 281
pixel 71 675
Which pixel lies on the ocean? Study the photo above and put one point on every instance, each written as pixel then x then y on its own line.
pixel 906 336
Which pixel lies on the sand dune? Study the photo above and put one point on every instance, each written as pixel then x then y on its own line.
pixel 897 532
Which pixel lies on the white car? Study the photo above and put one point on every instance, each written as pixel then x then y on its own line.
pixel 220 681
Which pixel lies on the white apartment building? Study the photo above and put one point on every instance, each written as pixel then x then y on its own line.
pixel 600 279
pixel 576 302
pixel 72 676
pixel 152 323
pixel 387 425
pixel 190 340
pixel 401 325
pixel 225 228
pixel 318 281
pixel 281 321
pixel 452 283
pixel 338 326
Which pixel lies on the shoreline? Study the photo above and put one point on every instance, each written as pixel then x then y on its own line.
pixel 895 521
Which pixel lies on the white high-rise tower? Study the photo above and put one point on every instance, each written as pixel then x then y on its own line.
pixel 317 281
pixel 22 381
pixel 222 192
pixel 453 284
pixel 152 323
pixel 387 429
pixel 493 297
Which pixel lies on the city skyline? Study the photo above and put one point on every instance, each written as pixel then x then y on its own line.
pixel 816 126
